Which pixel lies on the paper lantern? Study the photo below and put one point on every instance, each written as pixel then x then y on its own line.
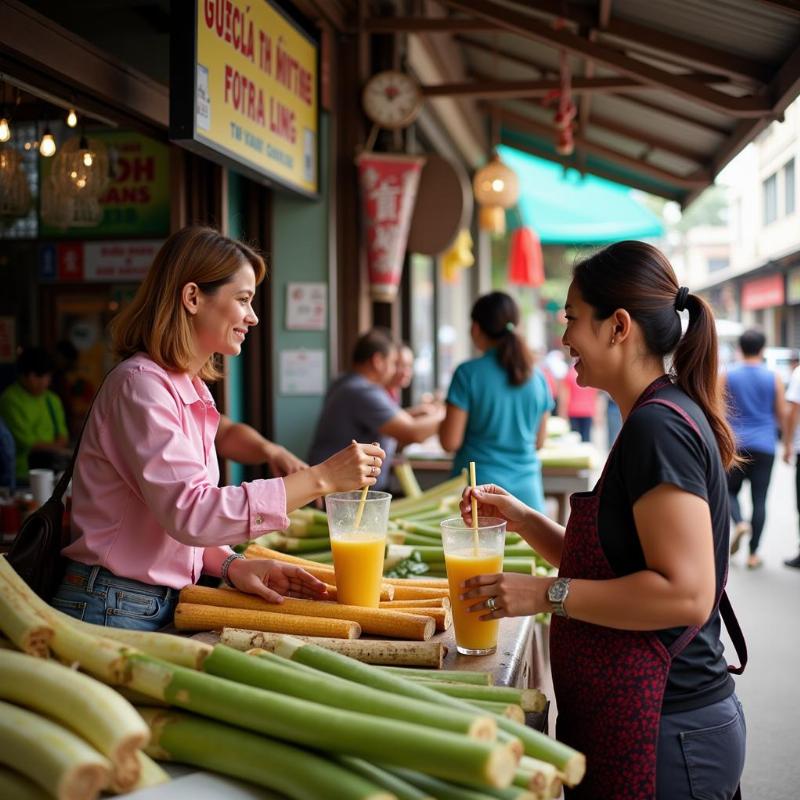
pixel 525 259
pixel 496 188
pixel 80 168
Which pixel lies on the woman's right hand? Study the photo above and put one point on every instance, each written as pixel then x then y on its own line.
pixel 356 466
pixel 494 501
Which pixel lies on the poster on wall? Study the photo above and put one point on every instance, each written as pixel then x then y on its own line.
pixel 244 80
pixel 136 202
pixel 97 262
pixel 302 372
pixel 306 306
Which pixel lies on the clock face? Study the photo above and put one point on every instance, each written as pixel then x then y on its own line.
pixel 392 99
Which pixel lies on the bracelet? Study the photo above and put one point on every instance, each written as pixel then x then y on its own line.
pixel 226 565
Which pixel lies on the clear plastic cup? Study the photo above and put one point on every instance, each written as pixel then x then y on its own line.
pixel 469 552
pixel 358 552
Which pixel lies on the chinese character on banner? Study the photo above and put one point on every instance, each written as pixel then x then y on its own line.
pixel 388 191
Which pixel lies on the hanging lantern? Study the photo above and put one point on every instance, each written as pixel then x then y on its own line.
pixel 496 188
pixel 80 168
pixel 15 194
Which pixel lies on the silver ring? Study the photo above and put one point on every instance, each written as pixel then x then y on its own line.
pixel 372 470
pixel 491 603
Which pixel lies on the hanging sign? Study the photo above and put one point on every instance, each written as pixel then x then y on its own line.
pixel 97 262
pixel 388 191
pixel 244 89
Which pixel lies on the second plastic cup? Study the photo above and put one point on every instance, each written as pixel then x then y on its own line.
pixel 358 552
pixel 468 553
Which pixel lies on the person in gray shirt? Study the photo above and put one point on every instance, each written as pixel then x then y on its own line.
pixel 358 406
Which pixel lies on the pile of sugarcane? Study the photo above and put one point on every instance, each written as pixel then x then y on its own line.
pixel 300 720
pixel 414 540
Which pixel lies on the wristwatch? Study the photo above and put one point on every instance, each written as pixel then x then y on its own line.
pixel 557 595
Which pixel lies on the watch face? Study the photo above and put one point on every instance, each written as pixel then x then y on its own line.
pixel 557 591
pixel 392 99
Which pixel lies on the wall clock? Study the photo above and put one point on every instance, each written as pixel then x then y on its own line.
pixel 392 99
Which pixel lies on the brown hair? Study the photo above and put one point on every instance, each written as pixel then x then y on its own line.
pixel 638 277
pixel 375 340
pixel 155 321
pixel 497 315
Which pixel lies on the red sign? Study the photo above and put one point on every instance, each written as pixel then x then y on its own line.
pixel 388 191
pixel 763 293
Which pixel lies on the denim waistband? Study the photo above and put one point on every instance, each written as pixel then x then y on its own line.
pixel 87 576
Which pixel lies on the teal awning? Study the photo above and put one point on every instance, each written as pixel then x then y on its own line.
pixel 564 207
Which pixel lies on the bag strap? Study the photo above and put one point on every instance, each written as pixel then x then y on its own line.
pixel 66 476
pixel 735 632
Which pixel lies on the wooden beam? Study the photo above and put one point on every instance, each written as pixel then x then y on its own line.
pixel 642 186
pixel 533 88
pixel 531 28
pixel 527 125
pixel 688 119
pixel 522 61
pixel 428 25
pixel 791 7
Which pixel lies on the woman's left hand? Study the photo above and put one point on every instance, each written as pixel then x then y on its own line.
pixel 515 595
pixel 274 580
pixel 281 462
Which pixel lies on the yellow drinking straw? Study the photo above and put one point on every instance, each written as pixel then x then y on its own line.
pixel 360 509
pixel 473 483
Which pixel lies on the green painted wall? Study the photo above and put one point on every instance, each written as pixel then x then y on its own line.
pixel 300 253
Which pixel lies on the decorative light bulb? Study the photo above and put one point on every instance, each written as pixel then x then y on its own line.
pixel 47 147
pixel 72 118
pixel 87 159
pixel 5 130
pixel 498 184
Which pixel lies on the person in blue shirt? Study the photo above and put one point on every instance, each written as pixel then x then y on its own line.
pixel 756 410
pixel 498 405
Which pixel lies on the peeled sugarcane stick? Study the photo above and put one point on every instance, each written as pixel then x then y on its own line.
pixel 432 602
pixel 510 710
pixel 400 789
pixel 289 770
pixel 386 593
pixel 286 677
pixel 63 764
pixel 97 713
pixel 568 761
pixel 324 728
pixel 418 592
pixel 150 774
pixel 16 786
pixel 378 621
pixel 450 675
pixel 26 629
pixel 197 617
pixel 443 617
pixel 529 699
pixel 444 790
pixel 370 651
pixel 419 583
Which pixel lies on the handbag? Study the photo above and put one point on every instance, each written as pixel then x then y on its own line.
pixel 36 552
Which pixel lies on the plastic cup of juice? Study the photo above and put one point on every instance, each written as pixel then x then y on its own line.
pixel 358 552
pixel 469 552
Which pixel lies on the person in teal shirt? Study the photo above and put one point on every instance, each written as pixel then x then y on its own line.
pixel 498 405
pixel 34 414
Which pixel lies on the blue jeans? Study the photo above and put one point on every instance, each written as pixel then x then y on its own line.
pixel 701 752
pixel 93 594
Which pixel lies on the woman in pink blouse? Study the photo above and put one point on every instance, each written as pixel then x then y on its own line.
pixel 148 515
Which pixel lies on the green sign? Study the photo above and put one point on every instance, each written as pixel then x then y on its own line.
pixel 136 202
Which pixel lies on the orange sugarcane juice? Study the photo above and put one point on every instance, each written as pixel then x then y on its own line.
pixel 471 633
pixel 358 563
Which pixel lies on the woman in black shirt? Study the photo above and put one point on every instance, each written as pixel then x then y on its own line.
pixel 641 683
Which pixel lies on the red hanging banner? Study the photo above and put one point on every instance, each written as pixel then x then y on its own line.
pixel 525 260
pixel 388 190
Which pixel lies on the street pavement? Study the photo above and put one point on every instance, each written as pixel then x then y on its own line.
pixel 767 603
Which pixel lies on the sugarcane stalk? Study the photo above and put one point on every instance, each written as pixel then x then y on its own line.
pixel 97 713
pixel 404 537
pixel 321 557
pixel 56 759
pixel 310 724
pixel 293 544
pixel 407 479
pixel 442 790
pixel 296 773
pixel 370 651
pixel 538 776
pixel 450 675
pixel 500 709
pixel 21 624
pixel 399 788
pixel 150 774
pixel 529 699
pixel 16 786
pixel 278 674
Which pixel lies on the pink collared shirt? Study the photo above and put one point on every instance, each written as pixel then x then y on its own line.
pixel 145 499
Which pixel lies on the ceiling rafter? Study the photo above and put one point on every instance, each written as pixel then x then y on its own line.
pixel 529 27
pixel 428 25
pixel 525 124
pixel 484 86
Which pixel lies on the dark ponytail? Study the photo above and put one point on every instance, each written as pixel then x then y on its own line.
pixel 637 277
pixel 497 315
